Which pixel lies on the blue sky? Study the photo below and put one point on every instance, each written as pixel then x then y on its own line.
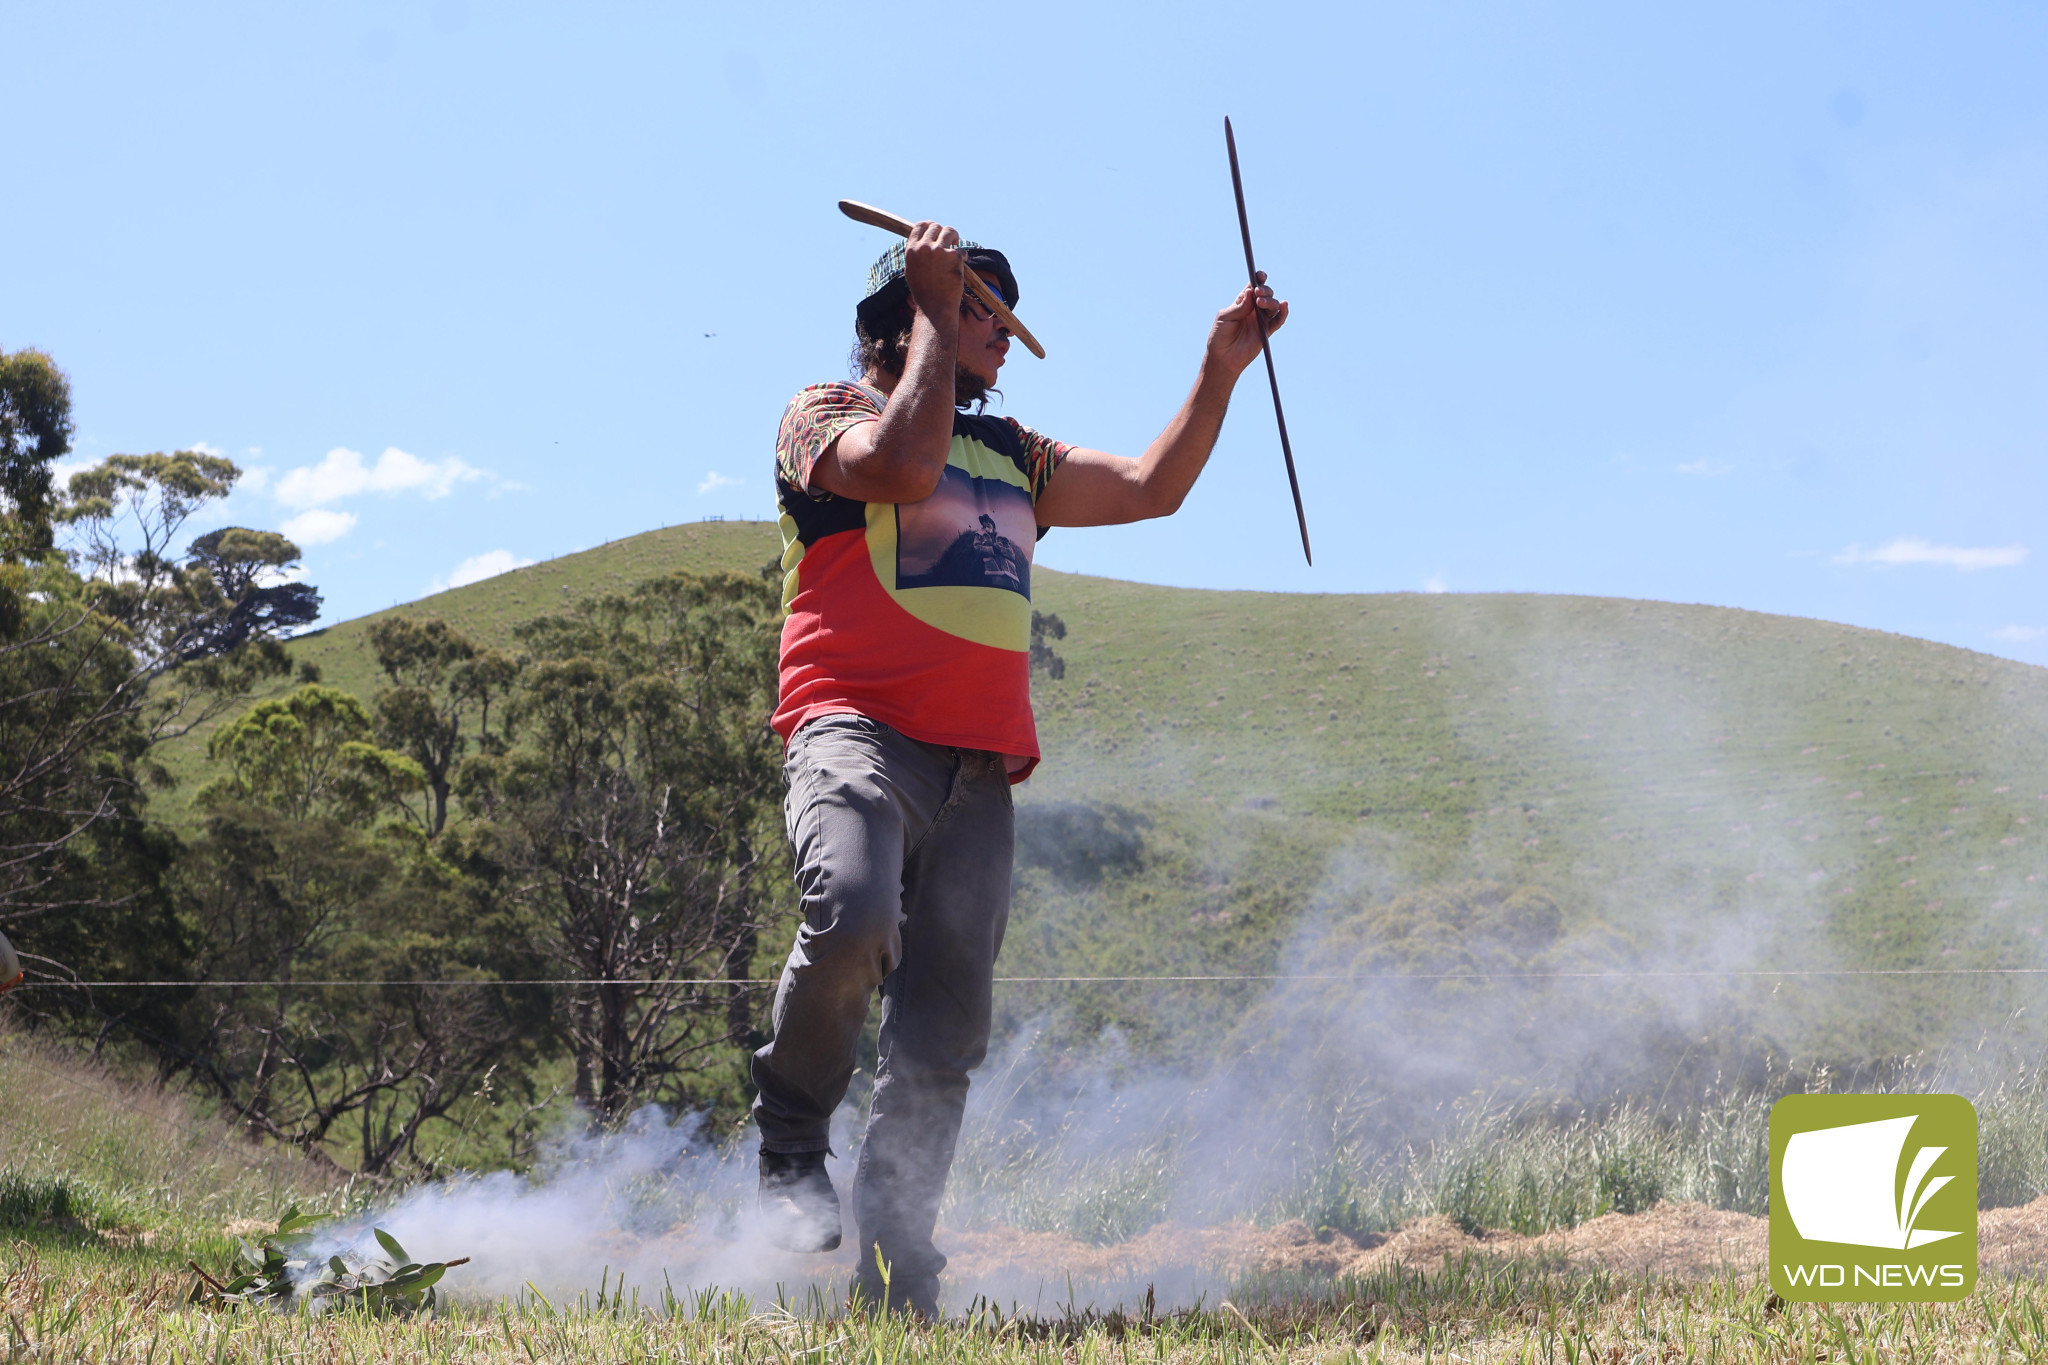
pixel 1741 304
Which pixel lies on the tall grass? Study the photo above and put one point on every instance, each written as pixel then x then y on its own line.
pixel 1109 1165
pixel 2012 1140
pixel 78 1142
pixel 1498 1167
pixel 1491 1166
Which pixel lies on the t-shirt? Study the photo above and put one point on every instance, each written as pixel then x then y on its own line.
pixel 914 614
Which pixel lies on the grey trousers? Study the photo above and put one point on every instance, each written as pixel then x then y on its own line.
pixel 903 853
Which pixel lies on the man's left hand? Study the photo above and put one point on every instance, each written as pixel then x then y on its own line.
pixel 1234 339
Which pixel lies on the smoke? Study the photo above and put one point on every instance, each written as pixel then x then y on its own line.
pixel 1564 899
pixel 1616 892
pixel 656 1217
pixel 653 1208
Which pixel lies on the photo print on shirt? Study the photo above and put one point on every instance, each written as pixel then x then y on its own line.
pixel 970 533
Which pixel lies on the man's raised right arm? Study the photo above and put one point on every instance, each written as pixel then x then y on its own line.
pixel 900 456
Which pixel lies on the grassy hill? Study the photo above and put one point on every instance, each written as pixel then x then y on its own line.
pixel 1696 787
pixel 488 611
pixel 1233 780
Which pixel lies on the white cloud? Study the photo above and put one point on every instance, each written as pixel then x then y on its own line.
pixel 204 449
pixel 319 526
pixel 477 568
pixel 342 474
pixel 2019 635
pixel 1705 469
pixel 1435 583
pixel 254 480
pixel 716 481
pixel 1913 550
pixel 62 470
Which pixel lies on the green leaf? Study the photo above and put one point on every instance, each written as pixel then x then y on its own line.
pixel 417 1277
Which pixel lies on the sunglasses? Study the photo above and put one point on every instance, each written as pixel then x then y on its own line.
pixel 972 307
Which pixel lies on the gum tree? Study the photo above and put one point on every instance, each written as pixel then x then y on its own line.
pixel 633 818
pixel 438 704
pixel 107 646
pixel 303 876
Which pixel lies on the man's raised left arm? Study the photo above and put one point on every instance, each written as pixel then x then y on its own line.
pixel 1095 488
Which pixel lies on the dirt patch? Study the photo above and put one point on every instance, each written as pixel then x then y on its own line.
pixel 1228 1249
pixel 1177 1264
pixel 1685 1241
pixel 1424 1243
pixel 128 1237
pixel 2014 1241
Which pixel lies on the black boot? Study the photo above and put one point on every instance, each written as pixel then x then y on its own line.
pixel 798 1204
pixel 903 1292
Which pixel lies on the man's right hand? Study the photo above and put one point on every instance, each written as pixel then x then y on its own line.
pixel 901 456
pixel 933 268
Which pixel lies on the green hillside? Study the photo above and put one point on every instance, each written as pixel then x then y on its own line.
pixel 488 611
pixel 1693 787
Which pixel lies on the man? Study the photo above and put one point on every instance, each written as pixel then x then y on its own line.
pixel 908 526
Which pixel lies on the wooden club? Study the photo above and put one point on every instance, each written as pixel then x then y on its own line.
pixel 889 222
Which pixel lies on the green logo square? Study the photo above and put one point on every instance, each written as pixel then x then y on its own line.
pixel 1873 1198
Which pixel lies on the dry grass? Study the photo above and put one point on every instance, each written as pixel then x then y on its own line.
pixel 1467 1311
pixel 94 1288
pixel 1677 1242
pixel 134 1157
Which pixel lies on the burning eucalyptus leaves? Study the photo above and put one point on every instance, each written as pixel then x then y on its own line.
pixel 285 1277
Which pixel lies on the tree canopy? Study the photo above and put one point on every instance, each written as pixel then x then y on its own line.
pixel 440 683
pixel 309 755
pixel 35 431
pixel 110 643
pixel 634 814
pixel 386 916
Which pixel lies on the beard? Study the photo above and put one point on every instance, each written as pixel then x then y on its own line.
pixel 968 387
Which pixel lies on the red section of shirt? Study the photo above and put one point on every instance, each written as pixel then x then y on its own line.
pixel 928 684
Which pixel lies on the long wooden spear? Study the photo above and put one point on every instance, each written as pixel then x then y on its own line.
pixel 1265 344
